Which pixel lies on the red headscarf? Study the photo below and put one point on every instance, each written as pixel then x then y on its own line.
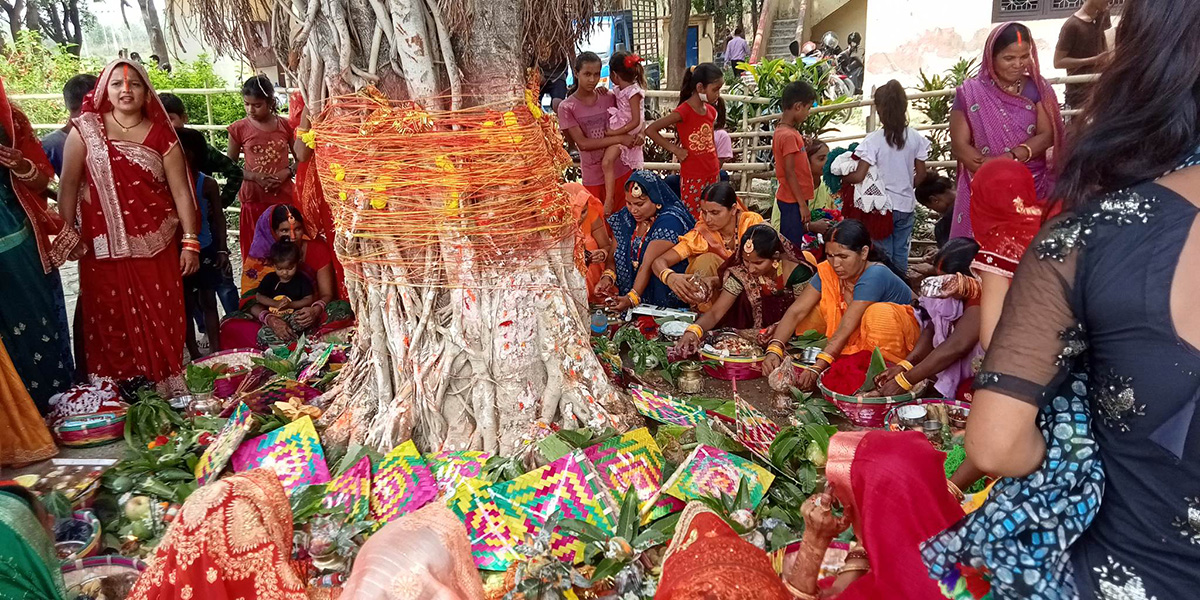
pixel 44 222
pixel 132 211
pixel 708 561
pixel 894 486
pixel 1005 214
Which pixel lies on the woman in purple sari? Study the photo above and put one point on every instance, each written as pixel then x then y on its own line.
pixel 1008 110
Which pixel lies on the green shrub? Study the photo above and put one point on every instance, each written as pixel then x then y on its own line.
pixel 35 67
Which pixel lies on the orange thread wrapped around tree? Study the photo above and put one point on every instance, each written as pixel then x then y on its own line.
pixel 442 192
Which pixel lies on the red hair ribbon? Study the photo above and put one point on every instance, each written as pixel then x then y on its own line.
pixel 632 60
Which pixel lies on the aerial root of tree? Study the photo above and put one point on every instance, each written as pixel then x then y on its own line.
pixel 455 348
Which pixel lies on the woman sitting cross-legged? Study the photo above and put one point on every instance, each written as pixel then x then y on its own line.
pixel 651 222
pixel 760 282
pixel 865 305
pixel 723 221
pixel 949 312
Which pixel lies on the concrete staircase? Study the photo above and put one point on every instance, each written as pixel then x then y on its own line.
pixel 783 32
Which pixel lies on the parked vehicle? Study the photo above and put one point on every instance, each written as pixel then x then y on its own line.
pixel 612 32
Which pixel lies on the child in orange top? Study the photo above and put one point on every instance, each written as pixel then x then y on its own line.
pixel 791 162
pixel 267 140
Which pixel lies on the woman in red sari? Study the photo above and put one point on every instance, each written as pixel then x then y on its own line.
pixel 126 179
pixel 232 539
pixel 708 561
pixel 893 488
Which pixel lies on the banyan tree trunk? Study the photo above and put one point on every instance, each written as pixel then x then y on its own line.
pixel 454 349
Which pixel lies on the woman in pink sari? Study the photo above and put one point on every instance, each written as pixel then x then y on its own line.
pixel 125 177
pixel 1008 111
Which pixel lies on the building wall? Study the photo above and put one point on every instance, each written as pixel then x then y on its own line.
pixel 903 37
pixel 849 17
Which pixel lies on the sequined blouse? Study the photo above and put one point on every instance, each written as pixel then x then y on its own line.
pixel 1096 283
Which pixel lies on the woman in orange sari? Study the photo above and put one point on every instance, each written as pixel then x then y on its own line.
pixel 864 303
pixel 24 438
pixel 893 488
pixel 723 221
pixel 591 240
pixel 232 539
pixel 125 177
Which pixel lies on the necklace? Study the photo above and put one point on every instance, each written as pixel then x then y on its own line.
pixel 1015 88
pixel 122 125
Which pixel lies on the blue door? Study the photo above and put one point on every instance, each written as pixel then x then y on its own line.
pixel 693 46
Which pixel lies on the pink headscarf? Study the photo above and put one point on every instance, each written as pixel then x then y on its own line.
pixel 1001 122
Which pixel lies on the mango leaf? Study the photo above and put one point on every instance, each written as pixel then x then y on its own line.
pixel 878 365
pixel 629 518
pixel 583 530
pixel 607 568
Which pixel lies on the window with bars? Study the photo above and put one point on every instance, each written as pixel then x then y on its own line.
pixel 1029 10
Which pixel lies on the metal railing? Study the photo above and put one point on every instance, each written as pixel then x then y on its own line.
pixel 751 135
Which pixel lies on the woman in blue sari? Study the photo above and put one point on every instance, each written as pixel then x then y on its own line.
pixel 650 224
pixel 33 319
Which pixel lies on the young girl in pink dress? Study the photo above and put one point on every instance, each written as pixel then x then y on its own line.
pixel 626 72
pixel 266 140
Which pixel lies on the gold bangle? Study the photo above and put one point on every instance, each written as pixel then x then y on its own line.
pixel 610 274
pixel 907 365
pixel 902 381
pixel 634 298
pixel 1029 150
pixel 954 489
pixel 825 357
pixel 776 350
pixel 797 593
pixel 853 569
pixel 665 274
pixel 191 236
pixel 696 329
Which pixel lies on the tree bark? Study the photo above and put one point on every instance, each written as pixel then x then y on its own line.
pixel 158 42
pixel 474 356
pixel 677 26
pixel 14 15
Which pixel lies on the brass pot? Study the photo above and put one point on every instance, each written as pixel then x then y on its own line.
pixel 690 381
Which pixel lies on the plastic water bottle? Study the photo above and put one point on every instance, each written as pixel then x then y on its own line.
pixel 599 323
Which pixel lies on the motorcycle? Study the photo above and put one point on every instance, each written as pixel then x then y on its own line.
pixel 849 65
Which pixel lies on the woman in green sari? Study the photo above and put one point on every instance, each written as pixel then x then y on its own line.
pixel 28 564
pixel 33 318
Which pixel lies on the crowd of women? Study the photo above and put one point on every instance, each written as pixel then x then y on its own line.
pixel 1056 303
pixel 1070 267
pixel 128 213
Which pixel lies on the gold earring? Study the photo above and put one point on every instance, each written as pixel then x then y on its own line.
pixel 775 264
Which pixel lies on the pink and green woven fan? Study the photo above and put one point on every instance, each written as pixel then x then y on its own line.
pixel 755 430
pixel 495 525
pixel 568 487
pixel 665 408
pixel 402 483
pixel 292 451
pixel 217 455
pixel 452 469
pixel 352 491
pixel 631 460
pixel 709 472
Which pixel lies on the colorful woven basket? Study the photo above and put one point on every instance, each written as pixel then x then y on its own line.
pixel 78 537
pixel 863 411
pixel 239 362
pixel 733 368
pixel 96 429
pixel 80 572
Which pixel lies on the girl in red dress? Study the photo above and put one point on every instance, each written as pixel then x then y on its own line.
pixel 693 121
pixel 266 138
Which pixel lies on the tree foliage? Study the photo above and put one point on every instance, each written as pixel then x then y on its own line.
pixel 35 67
